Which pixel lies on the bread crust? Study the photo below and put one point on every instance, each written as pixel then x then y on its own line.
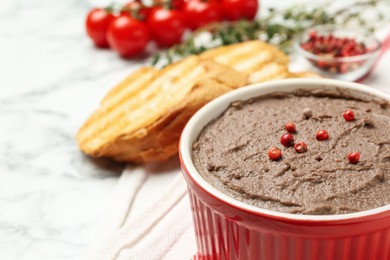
pixel 158 140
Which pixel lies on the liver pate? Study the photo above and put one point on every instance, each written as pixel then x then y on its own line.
pixel 231 152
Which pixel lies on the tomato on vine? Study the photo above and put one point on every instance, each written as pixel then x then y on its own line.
pixel 167 26
pixel 178 4
pixel 96 24
pixel 129 31
pixel 199 13
pixel 234 10
pixel 128 36
pixel 136 9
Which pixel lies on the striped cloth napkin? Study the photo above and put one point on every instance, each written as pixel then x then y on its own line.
pixel 149 217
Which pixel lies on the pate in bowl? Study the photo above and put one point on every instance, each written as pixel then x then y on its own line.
pixel 311 203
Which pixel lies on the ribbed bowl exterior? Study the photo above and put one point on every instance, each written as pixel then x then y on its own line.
pixel 226 232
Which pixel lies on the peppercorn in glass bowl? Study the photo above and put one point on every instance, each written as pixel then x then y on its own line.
pixel 337 52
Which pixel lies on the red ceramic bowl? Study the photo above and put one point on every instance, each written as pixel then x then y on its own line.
pixel 229 229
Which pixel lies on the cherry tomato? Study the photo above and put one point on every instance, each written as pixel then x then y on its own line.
pixel 234 10
pixel 97 23
pixel 140 9
pixel 127 36
pixel 167 26
pixel 199 13
pixel 178 4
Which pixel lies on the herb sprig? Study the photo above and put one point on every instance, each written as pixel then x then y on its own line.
pixel 277 27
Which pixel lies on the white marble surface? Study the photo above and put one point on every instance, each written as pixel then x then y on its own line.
pixel 52 197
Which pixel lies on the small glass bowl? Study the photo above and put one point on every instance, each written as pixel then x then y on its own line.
pixel 349 68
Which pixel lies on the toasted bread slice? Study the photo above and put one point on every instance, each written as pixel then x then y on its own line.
pixel 247 57
pixel 258 60
pixel 141 119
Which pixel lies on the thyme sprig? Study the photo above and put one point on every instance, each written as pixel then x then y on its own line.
pixel 277 27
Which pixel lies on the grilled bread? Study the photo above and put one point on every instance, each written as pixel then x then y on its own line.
pixel 141 119
pixel 258 60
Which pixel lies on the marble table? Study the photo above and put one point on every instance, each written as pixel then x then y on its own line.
pixel 52 197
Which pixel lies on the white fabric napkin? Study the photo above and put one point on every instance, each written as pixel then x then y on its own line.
pixel 149 217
